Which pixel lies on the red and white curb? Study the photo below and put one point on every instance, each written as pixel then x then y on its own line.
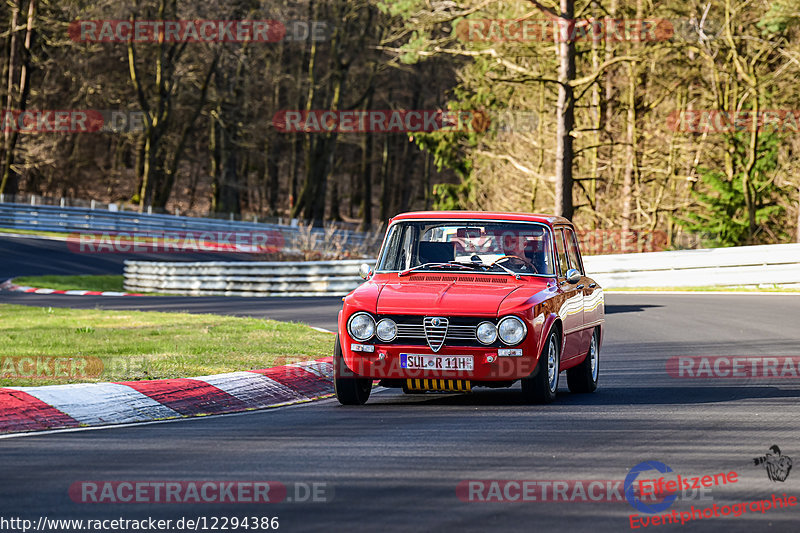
pixel 9 286
pixel 99 404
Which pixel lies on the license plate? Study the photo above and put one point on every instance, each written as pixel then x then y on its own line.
pixel 436 362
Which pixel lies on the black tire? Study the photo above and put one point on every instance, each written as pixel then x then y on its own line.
pixel 583 378
pixel 539 388
pixel 350 389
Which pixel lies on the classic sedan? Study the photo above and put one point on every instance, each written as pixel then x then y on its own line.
pixel 459 300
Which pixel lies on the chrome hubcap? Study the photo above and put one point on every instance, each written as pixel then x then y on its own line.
pixel 552 365
pixel 593 356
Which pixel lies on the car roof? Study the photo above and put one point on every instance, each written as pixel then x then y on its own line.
pixel 550 220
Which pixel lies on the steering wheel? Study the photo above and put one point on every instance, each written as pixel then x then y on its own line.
pixel 515 258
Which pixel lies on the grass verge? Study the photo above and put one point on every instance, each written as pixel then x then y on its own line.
pixel 61 346
pixel 73 283
pixel 34 232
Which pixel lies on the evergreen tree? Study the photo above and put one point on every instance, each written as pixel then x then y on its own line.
pixel 724 215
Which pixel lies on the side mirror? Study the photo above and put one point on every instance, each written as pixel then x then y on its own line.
pixel 365 271
pixel 573 276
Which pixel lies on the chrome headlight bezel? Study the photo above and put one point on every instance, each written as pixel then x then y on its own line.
pixel 350 326
pixel 392 324
pixel 494 331
pixel 522 327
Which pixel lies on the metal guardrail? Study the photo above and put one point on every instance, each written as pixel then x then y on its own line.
pixel 747 265
pixel 244 278
pixel 777 264
pixel 80 219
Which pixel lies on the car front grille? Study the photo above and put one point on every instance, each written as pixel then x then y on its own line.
pixel 459 332
pixel 454 332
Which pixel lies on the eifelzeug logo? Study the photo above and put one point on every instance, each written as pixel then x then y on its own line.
pixel 777 466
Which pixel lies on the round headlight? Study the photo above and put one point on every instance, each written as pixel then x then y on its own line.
pixel 386 330
pixel 511 330
pixel 487 332
pixel 361 326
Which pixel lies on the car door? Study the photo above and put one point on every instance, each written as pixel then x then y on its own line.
pixel 592 296
pixel 571 309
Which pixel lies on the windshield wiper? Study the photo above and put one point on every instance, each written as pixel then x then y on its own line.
pixel 433 265
pixel 481 264
pixel 469 264
pixel 508 270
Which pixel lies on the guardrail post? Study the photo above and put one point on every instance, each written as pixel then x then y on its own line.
pixel 92 204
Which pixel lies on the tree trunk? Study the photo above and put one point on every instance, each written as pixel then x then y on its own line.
pixel 798 214
pixel 9 179
pixel 385 186
pixel 365 174
pixel 565 111
pixel 627 178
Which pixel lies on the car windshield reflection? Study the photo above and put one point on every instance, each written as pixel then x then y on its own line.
pixel 502 247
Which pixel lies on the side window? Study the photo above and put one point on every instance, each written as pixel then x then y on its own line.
pixel 404 261
pixel 561 253
pixel 391 252
pixel 572 251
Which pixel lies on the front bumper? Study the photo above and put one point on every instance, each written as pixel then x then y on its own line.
pixel 385 362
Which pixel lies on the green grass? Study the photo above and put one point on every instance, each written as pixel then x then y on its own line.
pixel 134 345
pixel 704 289
pixel 34 232
pixel 73 283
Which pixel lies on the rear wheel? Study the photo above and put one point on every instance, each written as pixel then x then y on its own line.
pixel 583 378
pixel 542 386
pixel 350 389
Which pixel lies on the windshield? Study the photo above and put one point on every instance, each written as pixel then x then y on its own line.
pixel 522 248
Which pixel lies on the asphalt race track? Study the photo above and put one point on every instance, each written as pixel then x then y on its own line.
pixel 319 312
pixel 395 464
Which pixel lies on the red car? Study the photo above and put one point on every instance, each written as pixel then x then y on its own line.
pixel 469 299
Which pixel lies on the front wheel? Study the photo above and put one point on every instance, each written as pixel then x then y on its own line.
pixel 542 386
pixel 350 389
pixel 583 378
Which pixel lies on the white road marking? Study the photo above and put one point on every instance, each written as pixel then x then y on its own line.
pixel 701 293
pixel 323 330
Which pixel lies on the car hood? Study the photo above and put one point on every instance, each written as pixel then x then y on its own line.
pixel 454 295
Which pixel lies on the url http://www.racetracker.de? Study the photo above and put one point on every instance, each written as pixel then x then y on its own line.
pixel 196 523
